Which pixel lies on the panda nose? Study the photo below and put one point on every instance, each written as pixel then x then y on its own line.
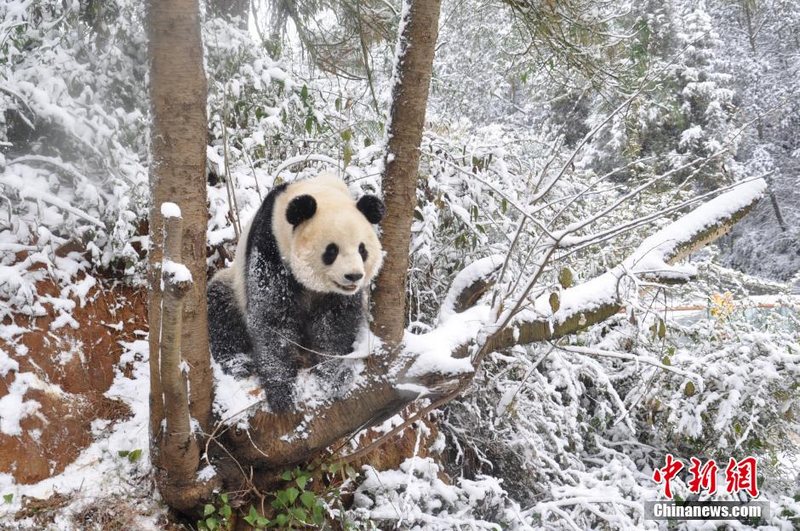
pixel 353 277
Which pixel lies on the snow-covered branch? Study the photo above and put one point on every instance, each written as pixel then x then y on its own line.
pixel 598 299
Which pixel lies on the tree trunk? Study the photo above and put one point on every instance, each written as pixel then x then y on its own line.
pixel 419 29
pixel 177 174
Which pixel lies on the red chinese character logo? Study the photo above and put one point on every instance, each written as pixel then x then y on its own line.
pixel 703 478
pixel 665 475
pixel 742 476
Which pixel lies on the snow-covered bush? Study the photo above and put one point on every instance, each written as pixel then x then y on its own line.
pixel 414 497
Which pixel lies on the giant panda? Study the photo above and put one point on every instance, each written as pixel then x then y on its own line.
pixel 296 292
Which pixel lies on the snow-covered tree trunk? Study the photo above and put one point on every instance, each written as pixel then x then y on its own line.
pixel 177 313
pixel 419 28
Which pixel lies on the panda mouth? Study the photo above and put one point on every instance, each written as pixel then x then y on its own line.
pixel 350 288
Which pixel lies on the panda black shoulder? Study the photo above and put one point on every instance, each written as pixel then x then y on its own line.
pixel 260 236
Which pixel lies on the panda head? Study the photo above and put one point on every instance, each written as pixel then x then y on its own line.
pixel 326 238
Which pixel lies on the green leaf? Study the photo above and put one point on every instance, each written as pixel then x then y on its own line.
pixel 224 497
pixel 346 135
pixel 208 509
pixel 225 511
pixel 338 104
pixel 299 514
pixel 302 481
pixel 304 93
pixel 565 277
pixel 309 124
pixel 8 498
pixel 281 519
pixel 347 155
pixel 555 301
pixel 317 514
pixel 262 521
pixel 135 455
pixel 123 453
pixel 308 498
pixel 287 476
pixel 212 523
pixel 291 494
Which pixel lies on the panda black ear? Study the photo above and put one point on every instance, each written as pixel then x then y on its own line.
pixel 372 208
pixel 300 209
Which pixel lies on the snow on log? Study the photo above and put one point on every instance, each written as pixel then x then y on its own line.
pixel 275 440
pixel 469 284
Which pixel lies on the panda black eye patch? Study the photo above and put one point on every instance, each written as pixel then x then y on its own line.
pixel 362 250
pixel 330 254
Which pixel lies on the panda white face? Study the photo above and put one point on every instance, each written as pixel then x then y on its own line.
pixel 328 239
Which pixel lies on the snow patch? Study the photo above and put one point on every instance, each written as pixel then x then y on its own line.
pixel 176 271
pixel 170 210
pixel 235 398
pixel 466 277
pixel 433 350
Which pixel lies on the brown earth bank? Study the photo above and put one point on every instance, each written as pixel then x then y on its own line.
pixel 77 366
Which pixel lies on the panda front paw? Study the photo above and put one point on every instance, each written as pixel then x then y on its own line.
pixel 335 378
pixel 280 396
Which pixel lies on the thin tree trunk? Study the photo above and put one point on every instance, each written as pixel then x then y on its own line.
pixel 177 174
pixel 419 29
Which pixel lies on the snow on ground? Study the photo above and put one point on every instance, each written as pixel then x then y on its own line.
pixel 115 467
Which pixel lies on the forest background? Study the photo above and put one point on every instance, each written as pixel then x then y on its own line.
pixel 630 113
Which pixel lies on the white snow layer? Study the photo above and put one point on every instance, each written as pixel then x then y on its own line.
pixel 433 350
pixel 170 210
pixel 176 271
pixel 13 407
pixel 473 272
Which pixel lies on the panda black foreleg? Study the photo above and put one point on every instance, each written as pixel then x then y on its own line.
pixel 333 333
pixel 276 369
pixel 227 331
